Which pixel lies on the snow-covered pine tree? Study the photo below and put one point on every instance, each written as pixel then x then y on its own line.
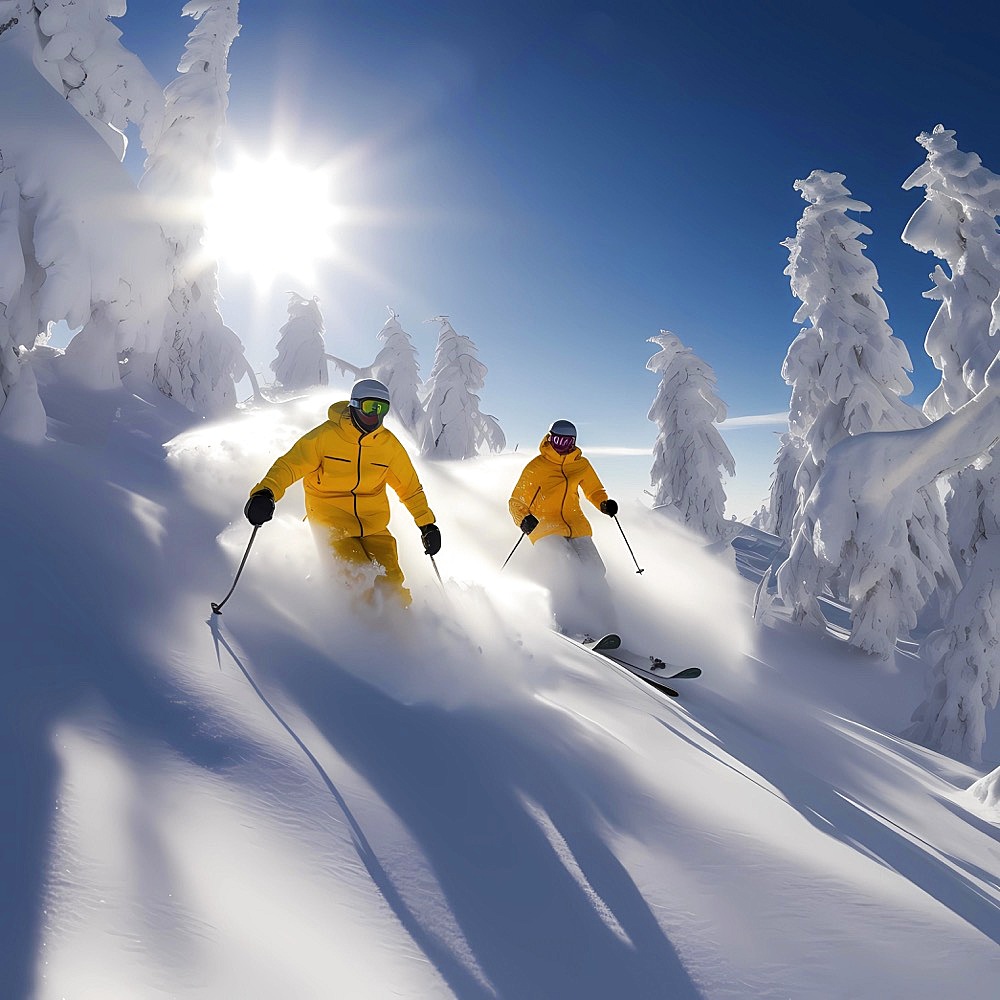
pixel 83 249
pixel 689 454
pixel 301 360
pixel 964 677
pixel 396 365
pixel 848 373
pixel 957 222
pixel 846 369
pixel 81 57
pixel 22 416
pixel 778 515
pixel 200 358
pixel 455 428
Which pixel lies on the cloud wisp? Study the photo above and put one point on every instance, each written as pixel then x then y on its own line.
pixel 734 423
pixel 756 420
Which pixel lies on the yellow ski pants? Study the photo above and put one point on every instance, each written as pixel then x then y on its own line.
pixel 378 548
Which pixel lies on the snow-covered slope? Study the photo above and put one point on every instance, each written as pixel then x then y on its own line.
pixel 300 799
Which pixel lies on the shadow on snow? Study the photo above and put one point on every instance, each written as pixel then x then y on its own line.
pixel 458 781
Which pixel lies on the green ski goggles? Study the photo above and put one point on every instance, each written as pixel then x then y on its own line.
pixel 370 406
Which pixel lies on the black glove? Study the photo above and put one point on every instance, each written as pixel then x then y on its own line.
pixel 609 507
pixel 260 507
pixel 431 534
pixel 528 523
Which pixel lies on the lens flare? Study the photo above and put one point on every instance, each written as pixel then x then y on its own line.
pixel 271 219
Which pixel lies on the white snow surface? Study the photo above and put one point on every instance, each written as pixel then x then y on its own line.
pixel 296 800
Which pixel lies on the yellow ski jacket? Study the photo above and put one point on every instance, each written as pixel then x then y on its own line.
pixel 344 475
pixel 549 488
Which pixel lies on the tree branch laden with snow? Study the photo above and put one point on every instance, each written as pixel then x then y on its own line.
pixel 81 56
pixel 91 254
pixel 857 514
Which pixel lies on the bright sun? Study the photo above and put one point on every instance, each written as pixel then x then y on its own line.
pixel 271 218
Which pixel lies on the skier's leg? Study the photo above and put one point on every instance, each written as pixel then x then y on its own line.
pixel 557 572
pixel 350 551
pixel 381 549
pixel 344 560
pixel 586 552
pixel 594 595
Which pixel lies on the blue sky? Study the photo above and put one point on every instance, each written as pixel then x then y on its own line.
pixel 566 181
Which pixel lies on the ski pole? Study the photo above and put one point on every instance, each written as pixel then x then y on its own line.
pixel 217 608
pixel 436 570
pixel 638 568
pixel 513 550
pixel 521 539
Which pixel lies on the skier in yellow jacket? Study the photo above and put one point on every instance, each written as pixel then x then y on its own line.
pixel 345 465
pixel 545 505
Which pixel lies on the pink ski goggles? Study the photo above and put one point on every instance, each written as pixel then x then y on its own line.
pixel 562 443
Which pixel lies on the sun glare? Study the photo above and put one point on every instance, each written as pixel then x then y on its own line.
pixel 271 218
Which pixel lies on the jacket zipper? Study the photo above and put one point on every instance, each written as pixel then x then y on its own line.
pixel 562 506
pixel 354 493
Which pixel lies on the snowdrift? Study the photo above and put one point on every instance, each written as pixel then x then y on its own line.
pixel 302 799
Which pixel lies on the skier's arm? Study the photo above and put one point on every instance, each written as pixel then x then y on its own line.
pixel 402 477
pixel 301 459
pixel 523 495
pixel 593 488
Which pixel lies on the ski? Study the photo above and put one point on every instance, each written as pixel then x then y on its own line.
pixel 605 646
pixel 647 664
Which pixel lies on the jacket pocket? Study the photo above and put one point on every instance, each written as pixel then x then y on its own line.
pixel 335 474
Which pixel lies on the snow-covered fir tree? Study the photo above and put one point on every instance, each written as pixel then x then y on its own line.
pixel 846 369
pixel 396 365
pixel 689 455
pixel 81 56
pixel 78 245
pixel 778 515
pixel 200 358
pixel 455 427
pixel 964 677
pixel 22 416
pixel 301 360
pixel 957 222
pixel 848 373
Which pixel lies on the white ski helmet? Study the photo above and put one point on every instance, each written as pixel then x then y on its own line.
pixel 369 388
